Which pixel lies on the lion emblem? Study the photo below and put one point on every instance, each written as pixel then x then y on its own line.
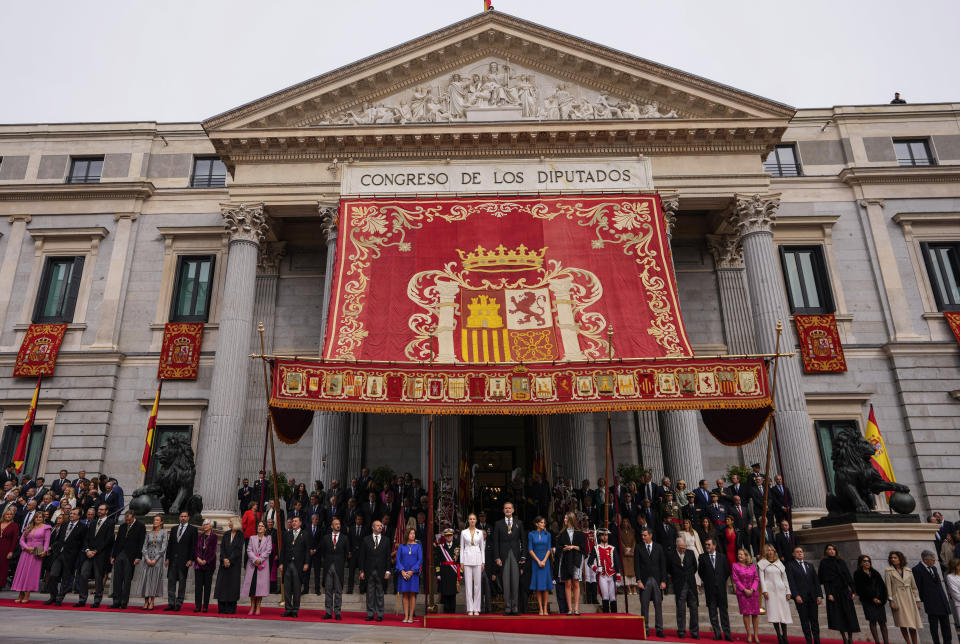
pixel 855 481
pixel 174 484
pixel 530 306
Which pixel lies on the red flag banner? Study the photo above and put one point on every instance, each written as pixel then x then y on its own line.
pixel 820 344
pixel 695 383
pixel 953 319
pixel 20 454
pixel 503 280
pixel 38 351
pixel 180 352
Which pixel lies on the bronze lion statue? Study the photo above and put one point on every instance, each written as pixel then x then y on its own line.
pixel 855 481
pixel 174 483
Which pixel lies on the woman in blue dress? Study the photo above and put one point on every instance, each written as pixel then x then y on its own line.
pixel 409 563
pixel 541 580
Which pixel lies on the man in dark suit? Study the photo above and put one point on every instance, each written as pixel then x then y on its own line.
pixel 780 499
pixel 181 544
pixel 415 492
pixel 628 511
pixel 721 492
pixel 374 554
pixel 648 512
pixel 660 492
pixel 262 489
pixel 127 551
pixel 741 513
pixel 294 562
pixel 67 546
pixel 754 498
pixel 736 488
pixel 336 547
pixel 245 494
pixel 315 507
pixel 785 541
pixel 422 527
pixel 315 532
pixel 97 552
pixel 42 488
pixel 807 594
pixel 81 478
pixel 647 489
pixel 714 572
pixel 935 602
pixel 509 550
pixel 357 534
pixel 57 486
pixel 650 566
pixel 371 508
pixel 9 474
pixel 667 537
pixel 363 481
pixel 591 511
pixel 701 496
pixel 683 572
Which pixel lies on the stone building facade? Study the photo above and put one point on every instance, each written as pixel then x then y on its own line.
pixel 853 210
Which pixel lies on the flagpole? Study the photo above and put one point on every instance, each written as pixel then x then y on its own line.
pixel 428 581
pixel 771 430
pixel 20 454
pixel 271 422
pixel 616 500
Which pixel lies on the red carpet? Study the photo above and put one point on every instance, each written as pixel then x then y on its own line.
pixel 624 627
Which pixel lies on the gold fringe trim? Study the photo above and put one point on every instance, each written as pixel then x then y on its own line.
pixel 516 409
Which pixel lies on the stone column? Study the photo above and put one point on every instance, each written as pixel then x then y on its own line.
pixel 11 258
pixel 355 458
pixel 264 310
pixel 737 319
pixel 651 454
pixel 331 430
pixel 578 427
pixel 569 334
pixel 447 292
pixel 752 217
pixel 446 447
pixel 218 458
pixel 679 429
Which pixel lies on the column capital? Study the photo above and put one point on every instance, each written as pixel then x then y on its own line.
pixel 670 199
pixel 873 202
pixel 24 218
pixel 328 219
pixel 245 222
pixel 753 213
pixel 726 250
pixel 269 256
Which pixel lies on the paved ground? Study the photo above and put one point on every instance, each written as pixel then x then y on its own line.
pixel 29 626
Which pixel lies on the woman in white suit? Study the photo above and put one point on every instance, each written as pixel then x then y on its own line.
pixel 473 548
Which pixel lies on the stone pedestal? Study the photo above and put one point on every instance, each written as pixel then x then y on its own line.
pixel 875 540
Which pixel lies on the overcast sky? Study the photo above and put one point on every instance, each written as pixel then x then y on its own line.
pixel 188 60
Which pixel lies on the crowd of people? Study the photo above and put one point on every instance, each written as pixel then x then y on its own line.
pixel 639 539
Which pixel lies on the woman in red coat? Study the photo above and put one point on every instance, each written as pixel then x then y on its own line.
pixel 9 536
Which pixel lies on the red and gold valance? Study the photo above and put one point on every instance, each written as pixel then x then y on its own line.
pixel 180 351
pixel 503 280
pixel 953 319
pixel 542 388
pixel 820 344
pixel 38 351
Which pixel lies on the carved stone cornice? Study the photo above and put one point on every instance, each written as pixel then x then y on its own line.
pixel 753 213
pixel 670 199
pixel 726 250
pixel 65 191
pixel 269 256
pixel 245 222
pixel 328 220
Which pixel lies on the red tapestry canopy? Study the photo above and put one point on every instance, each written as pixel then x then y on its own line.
pixel 503 280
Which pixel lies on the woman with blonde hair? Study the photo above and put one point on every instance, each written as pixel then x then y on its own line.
pixel 681 495
pixel 746 584
pixel 256 580
pixel 35 545
pixel 68 497
pixel 776 591
pixel 628 542
pixel 9 535
pixel 227 590
pixel 151 573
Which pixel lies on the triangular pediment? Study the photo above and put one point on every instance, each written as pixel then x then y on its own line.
pixel 495 67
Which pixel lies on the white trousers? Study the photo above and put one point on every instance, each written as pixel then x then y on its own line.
pixel 607 587
pixel 471 587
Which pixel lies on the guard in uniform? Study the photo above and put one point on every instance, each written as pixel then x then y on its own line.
pixel 605 563
pixel 448 572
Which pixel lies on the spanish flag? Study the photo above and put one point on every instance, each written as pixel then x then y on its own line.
pixel 20 455
pixel 880 459
pixel 487 5
pixel 151 428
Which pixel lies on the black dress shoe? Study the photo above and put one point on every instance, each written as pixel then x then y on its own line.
pixel 728 637
pixel 680 635
pixel 286 613
pixel 196 609
pixel 327 616
pixel 337 616
pixel 368 618
pixel 49 601
pixel 206 608
pixel 58 603
pixel 379 619
pixel 95 605
pixel 170 607
pixel 79 604
pixel 114 606
pixel 295 614
pixel 717 636
pixel 659 632
pixel 695 636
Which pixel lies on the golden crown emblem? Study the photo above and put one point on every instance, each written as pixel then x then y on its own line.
pixel 500 259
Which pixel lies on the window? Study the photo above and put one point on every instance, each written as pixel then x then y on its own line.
pixel 208 172
pixel 782 162
pixel 59 285
pixel 912 152
pixel 85 170
pixel 805 273
pixel 192 288
pixel 8 445
pixel 943 268
pixel 827 431
pixel 161 435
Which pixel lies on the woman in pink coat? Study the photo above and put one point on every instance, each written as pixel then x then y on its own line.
pixel 256 578
pixel 35 543
pixel 746 583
